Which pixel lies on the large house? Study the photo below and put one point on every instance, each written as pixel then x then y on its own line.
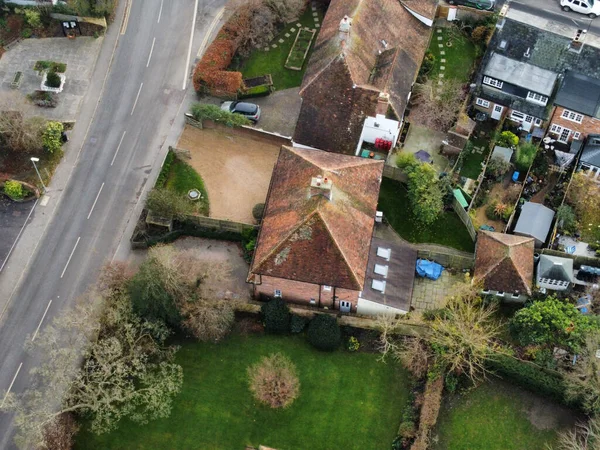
pixel 504 265
pixel 521 72
pixel 316 245
pixel 365 60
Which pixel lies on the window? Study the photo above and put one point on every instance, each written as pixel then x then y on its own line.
pixel 538 122
pixel 384 253
pixel 482 102
pixel 518 116
pixel 564 135
pixel 381 270
pixel 534 97
pixel 576 135
pixel 515 295
pixel 378 285
pixel 500 294
pixel 585 167
pixel 493 82
pixel 528 119
pixel 313 301
pixel 572 116
pixel 327 288
pixel 556 129
pixel 277 293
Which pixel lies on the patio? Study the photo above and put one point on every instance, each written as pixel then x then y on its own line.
pixel 575 247
pixel 422 139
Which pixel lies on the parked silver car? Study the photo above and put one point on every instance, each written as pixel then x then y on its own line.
pixel 250 110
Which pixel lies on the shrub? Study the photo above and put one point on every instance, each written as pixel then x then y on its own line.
pixel 324 333
pixel 201 111
pixel 508 139
pixel 298 323
pixel 407 430
pixel 207 320
pixel 32 17
pixel 480 34
pixel 51 136
pixel 53 80
pixel 274 381
pixel 256 91
pixel 525 156
pixel 566 217
pixel 26 33
pixel 426 66
pixel 50 66
pixel 164 172
pixel 210 70
pixel 497 167
pixel 169 204
pixel 258 211
pixel 60 433
pixel 353 344
pixel 276 314
pixel 44 99
pixel 490 211
pixel 14 189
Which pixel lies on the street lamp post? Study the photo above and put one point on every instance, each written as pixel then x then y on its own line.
pixel 34 160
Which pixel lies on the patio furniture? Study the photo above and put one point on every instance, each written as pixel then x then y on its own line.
pixel 423 156
pixel 570 249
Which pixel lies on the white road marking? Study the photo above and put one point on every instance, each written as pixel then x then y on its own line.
pixel 150 55
pixel 98 195
pixel 187 63
pixel 118 147
pixel 38 328
pixel 19 235
pixel 160 11
pixel 11 385
pixel 136 98
pixel 70 256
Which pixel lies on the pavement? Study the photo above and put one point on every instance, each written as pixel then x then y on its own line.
pixel 280 111
pixel 131 113
pixel 13 216
pixel 80 57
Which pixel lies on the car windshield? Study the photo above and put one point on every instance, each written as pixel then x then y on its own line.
pixel 247 108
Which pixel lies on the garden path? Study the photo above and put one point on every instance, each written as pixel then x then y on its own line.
pixel 291 32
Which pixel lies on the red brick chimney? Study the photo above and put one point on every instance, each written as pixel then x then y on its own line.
pixel 382 103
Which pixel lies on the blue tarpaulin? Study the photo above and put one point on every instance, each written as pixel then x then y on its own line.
pixel 429 269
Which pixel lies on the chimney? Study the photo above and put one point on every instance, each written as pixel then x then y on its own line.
pixel 345 24
pixel 577 42
pixel 382 103
pixel 320 185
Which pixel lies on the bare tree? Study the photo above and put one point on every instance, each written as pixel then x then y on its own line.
pixel 438 110
pixel 585 437
pixel 19 131
pixel 583 378
pixel 274 381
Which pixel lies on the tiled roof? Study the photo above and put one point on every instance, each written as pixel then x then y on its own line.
pixel 504 262
pixel 580 93
pixel 347 71
pixel 312 238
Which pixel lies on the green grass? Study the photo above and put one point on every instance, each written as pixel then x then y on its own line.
pixel 296 57
pixel 448 230
pixel 459 58
pixel 471 161
pixel 347 401
pixel 273 61
pixel 182 177
pixel 492 417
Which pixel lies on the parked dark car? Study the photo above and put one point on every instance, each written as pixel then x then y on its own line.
pixel 486 5
pixel 250 110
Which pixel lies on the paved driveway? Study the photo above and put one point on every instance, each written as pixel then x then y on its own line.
pixel 12 218
pixel 280 111
pixel 80 57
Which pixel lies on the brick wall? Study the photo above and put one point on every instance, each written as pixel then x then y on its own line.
pixel 589 125
pixel 301 292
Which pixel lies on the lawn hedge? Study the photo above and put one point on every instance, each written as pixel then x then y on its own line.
pixel 256 91
pixel 164 172
pixel 324 332
pixel 276 315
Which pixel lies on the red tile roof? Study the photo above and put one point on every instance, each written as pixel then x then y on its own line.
pixel 311 238
pixel 504 262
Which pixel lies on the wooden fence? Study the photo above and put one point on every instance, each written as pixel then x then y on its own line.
pixel 464 218
pixel 394 173
pixel 446 258
pixel 219 224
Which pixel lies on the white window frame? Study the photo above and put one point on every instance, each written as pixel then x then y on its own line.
pixel 555 129
pixel 537 122
pixel 572 116
pixel 576 135
pixel 277 293
pixel 493 82
pixel 534 97
pixel 564 141
pixel 517 119
pixel 483 103
pixel 326 288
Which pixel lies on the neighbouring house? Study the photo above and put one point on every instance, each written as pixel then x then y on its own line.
pixel 504 265
pixel 554 273
pixel 589 161
pixel 534 221
pixel 521 70
pixel 365 48
pixel 316 234
pixel 577 108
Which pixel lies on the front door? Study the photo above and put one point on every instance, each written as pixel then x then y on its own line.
pixel 527 123
pixel 497 112
pixel 345 306
pixel 564 135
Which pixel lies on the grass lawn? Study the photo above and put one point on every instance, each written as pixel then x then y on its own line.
pixel 347 401
pixel 447 230
pixel 471 161
pixel 182 177
pixel 497 416
pixel 296 56
pixel 459 57
pixel 273 61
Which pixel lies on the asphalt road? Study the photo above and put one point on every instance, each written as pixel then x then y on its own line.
pixel 142 95
pixel 551 10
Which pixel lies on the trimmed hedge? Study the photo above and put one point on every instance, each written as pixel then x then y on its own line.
pixel 201 111
pixel 324 332
pixel 257 91
pixel 298 323
pixel 276 314
pixel 164 172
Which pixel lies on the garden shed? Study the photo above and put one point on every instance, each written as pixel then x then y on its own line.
pixel 535 221
pixel 503 153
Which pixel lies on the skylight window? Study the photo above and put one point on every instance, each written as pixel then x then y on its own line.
pixel 384 253
pixel 381 269
pixel 378 285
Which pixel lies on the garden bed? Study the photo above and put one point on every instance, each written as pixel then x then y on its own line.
pixel 299 51
pixel 339 407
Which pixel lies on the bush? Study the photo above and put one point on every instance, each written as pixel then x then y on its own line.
pixel 164 172
pixel 169 204
pixel 26 33
pixel 59 434
pixel 497 167
pixel 480 34
pixel 51 137
pixel 50 66
pixel 258 211
pixel 276 315
pixel 32 17
pixel 566 218
pixel 14 190
pixel 53 80
pixel 298 323
pixel 426 66
pixel 274 381
pixel 507 139
pixel 44 99
pixel 201 111
pixel 353 344
pixel 407 430
pixel 324 333
pixel 525 156
pixel 256 91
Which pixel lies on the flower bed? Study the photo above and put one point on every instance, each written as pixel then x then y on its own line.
pixel 297 55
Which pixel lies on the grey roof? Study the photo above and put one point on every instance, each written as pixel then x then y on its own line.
pixel 591 152
pixel 502 153
pixel 521 74
pixel 555 268
pixel 535 220
pixel 580 93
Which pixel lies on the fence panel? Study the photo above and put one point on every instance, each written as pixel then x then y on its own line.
pixel 464 218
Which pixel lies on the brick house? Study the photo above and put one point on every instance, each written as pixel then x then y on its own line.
pixel 504 265
pixel 315 237
pixel 365 48
pixel 521 71
pixel 577 108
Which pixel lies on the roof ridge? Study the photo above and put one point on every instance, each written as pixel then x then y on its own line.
pixel 359 161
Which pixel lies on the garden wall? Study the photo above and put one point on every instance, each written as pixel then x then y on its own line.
pixel 394 173
pixel 459 261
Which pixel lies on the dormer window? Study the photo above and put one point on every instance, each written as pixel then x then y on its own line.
pixel 534 97
pixel 493 82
